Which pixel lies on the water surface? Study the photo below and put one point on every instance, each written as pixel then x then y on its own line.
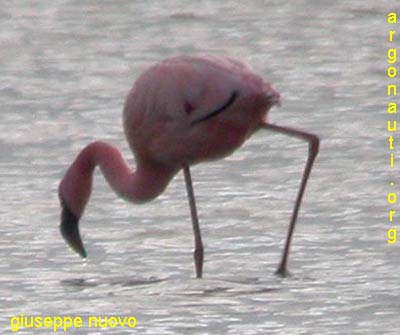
pixel 65 68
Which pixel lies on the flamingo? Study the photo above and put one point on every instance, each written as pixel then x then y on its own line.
pixel 181 111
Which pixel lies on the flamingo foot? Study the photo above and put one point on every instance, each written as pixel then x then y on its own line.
pixel 282 271
pixel 198 260
pixel 70 230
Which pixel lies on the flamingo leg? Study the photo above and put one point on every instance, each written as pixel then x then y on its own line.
pixel 313 146
pixel 198 244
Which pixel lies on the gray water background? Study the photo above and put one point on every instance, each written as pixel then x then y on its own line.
pixel 65 68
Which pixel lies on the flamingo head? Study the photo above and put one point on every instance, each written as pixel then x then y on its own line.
pixel 73 192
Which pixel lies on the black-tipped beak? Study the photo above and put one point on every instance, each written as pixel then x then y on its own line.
pixel 70 230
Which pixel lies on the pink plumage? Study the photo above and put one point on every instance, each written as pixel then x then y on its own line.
pixel 179 112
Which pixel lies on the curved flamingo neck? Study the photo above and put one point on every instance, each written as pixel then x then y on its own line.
pixel 146 183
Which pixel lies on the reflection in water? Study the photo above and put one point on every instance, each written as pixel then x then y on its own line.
pixel 81 282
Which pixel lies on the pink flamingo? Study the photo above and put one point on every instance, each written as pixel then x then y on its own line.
pixel 180 112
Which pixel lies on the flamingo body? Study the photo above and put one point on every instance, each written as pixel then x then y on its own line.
pixel 179 112
pixel 170 95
